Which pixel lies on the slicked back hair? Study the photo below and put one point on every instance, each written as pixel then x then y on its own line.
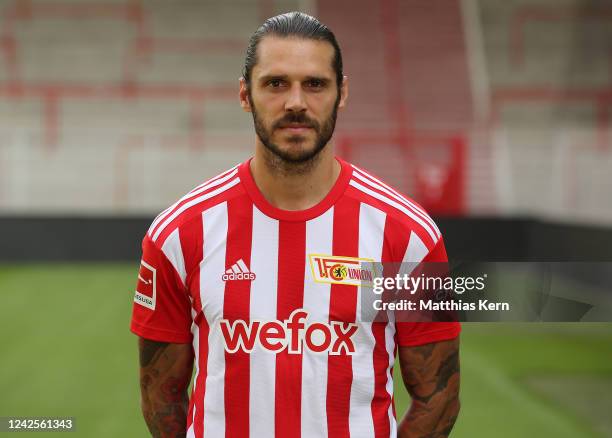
pixel 297 25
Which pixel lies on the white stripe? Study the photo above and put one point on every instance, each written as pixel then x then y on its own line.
pixel 400 207
pixel 371 237
pixel 390 345
pixel 211 295
pixel 319 237
pixel 236 268
pixel 264 256
pixel 210 185
pixel 372 178
pixel 213 182
pixel 215 178
pixel 242 266
pixel 195 331
pixel 174 253
pixel 193 202
pixel 401 199
pixel 159 218
pixel 415 253
pixel 416 250
pixel 382 183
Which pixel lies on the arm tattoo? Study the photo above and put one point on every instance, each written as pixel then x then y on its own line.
pixel 165 373
pixel 431 375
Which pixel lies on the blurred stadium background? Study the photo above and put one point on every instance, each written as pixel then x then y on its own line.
pixel 494 114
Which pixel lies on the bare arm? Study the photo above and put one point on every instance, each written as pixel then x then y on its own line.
pixel 431 375
pixel 165 373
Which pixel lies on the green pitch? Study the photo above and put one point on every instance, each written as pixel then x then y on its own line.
pixel 67 351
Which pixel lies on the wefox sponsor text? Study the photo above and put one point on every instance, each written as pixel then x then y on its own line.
pixel 293 334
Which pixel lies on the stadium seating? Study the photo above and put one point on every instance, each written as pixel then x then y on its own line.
pixel 549 71
pixel 94 93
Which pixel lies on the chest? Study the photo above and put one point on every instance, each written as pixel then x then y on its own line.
pixel 282 268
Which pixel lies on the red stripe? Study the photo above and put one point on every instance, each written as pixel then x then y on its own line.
pixel 376 180
pixel 342 307
pixel 291 271
pixel 200 388
pixel 196 209
pixel 396 237
pixel 215 178
pixel 381 399
pixel 190 411
pixel 389 209
pixel 191 237
pixel 429 223
pixel 164 214
pixel 236 305
pixel 188 198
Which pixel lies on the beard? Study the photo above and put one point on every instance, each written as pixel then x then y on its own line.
pixel 301 158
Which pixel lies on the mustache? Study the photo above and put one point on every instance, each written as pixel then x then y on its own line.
pixel 295 118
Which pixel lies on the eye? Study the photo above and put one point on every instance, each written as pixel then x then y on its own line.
pixel 316 83
pixel 275 83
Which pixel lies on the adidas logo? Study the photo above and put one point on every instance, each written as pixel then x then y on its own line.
pixel 238 271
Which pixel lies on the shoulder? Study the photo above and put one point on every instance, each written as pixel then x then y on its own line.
pixel 190 207
pixel 401 211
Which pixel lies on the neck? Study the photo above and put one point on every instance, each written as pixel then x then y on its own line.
pixel 294 186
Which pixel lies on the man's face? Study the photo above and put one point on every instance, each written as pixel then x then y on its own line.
pixel 293 96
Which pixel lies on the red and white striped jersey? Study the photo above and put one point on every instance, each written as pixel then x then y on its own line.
pixel 265 297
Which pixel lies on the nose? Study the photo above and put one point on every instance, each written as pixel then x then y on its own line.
pixel 295 99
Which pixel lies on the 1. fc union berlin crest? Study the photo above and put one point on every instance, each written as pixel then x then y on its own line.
pixel 352 271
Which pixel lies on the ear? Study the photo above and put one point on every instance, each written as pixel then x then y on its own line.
pixel 244 96
pixel 343 92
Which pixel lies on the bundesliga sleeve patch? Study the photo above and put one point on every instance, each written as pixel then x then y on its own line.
pixel 146 287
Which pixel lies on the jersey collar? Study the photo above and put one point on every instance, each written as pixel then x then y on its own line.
pixel 244 172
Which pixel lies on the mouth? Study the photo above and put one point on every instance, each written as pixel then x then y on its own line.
pixel 295 128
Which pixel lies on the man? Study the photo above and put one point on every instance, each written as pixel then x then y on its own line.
pixel 246 277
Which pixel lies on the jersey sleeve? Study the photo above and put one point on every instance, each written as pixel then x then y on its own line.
pixel 161 309
pixel 411 334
